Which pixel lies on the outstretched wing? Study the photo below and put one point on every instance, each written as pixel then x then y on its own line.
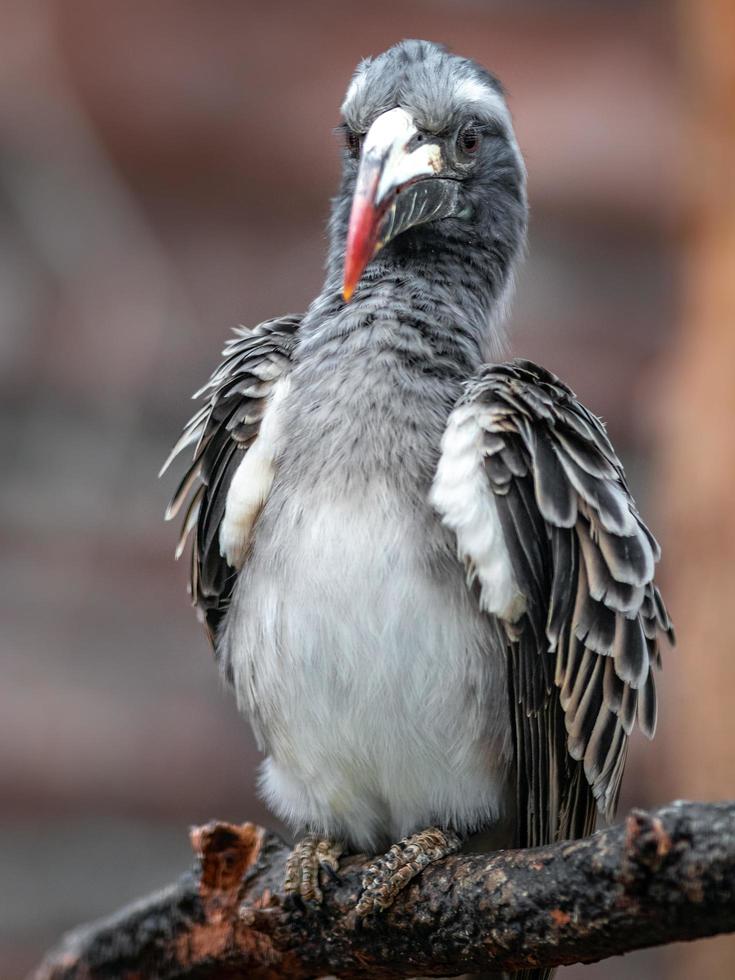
pixel 222 431
pixel 551 537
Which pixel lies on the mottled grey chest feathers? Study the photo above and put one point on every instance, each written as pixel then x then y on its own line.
pixel 373 681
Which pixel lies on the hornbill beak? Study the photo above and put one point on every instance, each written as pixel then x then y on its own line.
pixel 399 185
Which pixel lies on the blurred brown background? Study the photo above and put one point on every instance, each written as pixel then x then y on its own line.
pixel 165 170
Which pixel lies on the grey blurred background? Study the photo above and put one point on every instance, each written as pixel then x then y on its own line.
pixel 165 172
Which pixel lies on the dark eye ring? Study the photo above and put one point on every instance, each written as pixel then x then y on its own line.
pixel 469 139
pixel 353 143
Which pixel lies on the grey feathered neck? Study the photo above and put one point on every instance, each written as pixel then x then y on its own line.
pixel 455 273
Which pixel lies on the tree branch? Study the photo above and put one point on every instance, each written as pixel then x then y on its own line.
pixel 657 878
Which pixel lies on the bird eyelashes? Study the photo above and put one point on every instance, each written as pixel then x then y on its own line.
pixel 472 134
pixel 469 139
pixel 353 143
pixel 351 140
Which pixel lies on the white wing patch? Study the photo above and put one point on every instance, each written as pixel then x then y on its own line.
pixel 461 495
pixel 253 479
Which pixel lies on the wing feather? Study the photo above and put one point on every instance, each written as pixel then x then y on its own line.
pixel 582 649
pixel 221 431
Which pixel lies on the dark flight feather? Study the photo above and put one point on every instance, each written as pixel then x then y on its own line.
pixel 580 659
pixel 223 429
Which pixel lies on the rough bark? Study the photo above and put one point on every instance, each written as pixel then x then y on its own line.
pixel 658 877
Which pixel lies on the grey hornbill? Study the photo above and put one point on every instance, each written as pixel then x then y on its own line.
pixel 421 569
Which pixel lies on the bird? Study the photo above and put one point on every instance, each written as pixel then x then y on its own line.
pixel 420 565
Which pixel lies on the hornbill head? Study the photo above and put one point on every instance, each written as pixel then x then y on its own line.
pixel 431 166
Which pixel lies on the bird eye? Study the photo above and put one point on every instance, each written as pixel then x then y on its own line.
pixel 353 142
pixel 469 138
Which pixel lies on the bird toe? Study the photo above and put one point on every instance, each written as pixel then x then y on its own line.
pixel 313 860
pixel 386 878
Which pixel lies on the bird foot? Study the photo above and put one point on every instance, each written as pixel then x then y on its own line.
pixel 390 874
pixel 312 859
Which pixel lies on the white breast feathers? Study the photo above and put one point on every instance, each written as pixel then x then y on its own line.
pixel 253 479
pixel 462 496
